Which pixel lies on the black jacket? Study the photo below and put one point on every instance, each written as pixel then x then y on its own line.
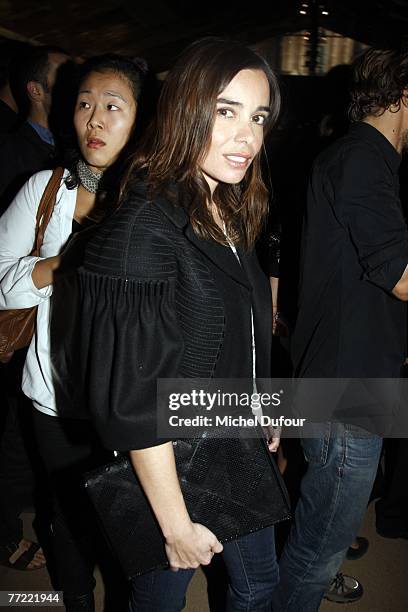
pixel 22 153
pixel 156 301
pixel 8 118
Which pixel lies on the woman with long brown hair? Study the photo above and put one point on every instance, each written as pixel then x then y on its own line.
pixel 173 290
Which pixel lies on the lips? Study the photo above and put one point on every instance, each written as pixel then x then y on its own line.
pixel 238 160
pixel 95 143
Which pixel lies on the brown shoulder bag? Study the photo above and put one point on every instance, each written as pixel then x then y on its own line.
pixel 17 325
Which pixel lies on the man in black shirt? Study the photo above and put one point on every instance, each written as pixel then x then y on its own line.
pixel 351 321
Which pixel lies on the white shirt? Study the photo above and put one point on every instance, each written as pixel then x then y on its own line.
pixel 17 290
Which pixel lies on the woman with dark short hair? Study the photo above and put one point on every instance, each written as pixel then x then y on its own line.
pixel 105 120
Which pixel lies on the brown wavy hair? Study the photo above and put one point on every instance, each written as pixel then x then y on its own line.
pixel 379 79
pixel 180 135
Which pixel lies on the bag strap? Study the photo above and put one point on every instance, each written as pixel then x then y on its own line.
pixel 46 208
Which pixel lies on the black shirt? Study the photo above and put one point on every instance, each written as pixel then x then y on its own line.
pixel 354 251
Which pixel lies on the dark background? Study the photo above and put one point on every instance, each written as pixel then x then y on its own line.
pixel 159 29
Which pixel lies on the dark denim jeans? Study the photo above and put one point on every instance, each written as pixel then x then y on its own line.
pixel 252 570
pixel 335 490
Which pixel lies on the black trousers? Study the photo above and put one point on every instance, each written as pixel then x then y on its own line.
pixel 392 508
pixel 16 474
pixel 20 468
pixel 68 448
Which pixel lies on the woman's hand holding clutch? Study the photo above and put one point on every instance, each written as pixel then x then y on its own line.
pixel 194 545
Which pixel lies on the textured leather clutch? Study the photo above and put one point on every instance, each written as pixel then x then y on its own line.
pixel 231 486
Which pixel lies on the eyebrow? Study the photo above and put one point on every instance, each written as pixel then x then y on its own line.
pixel 234 103
pixel 105 93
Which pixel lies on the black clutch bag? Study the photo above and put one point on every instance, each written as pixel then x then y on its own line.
pixel 231 486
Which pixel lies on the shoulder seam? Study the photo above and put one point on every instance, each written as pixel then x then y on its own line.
pixel 125 262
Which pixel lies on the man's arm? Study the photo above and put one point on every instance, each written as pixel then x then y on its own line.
pixel 366 195
pixel 401 288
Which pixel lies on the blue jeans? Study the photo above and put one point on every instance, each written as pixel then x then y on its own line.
pixel 253 575
pixel 335 490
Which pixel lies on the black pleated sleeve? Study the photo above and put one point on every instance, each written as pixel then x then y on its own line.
pixel 130 334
